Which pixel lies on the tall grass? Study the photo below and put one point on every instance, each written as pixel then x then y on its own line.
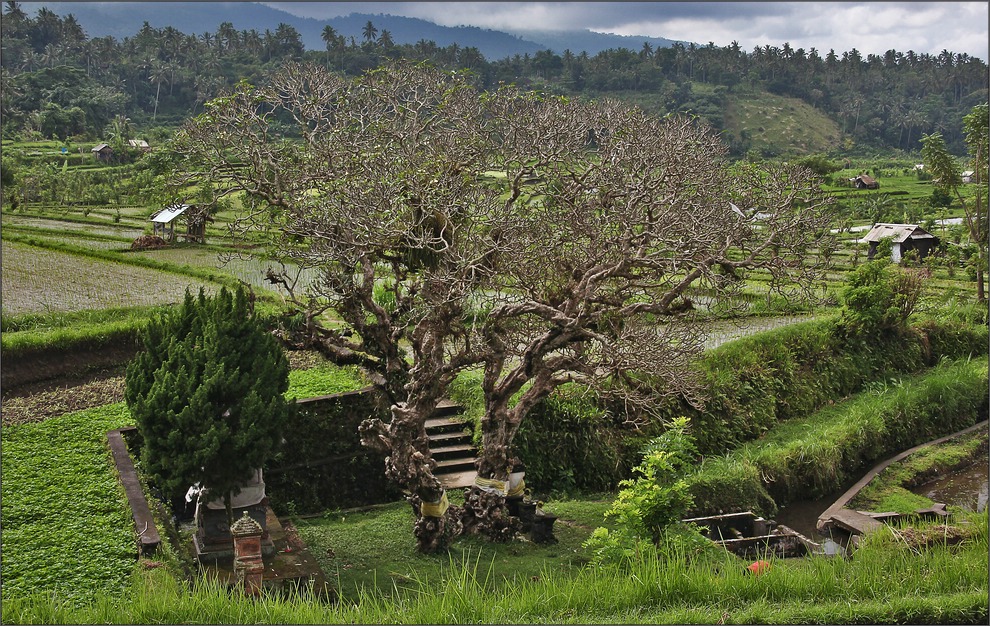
pixel 885 581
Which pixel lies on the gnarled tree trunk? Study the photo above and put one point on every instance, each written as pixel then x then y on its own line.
pixel 410 464
pixel 485 512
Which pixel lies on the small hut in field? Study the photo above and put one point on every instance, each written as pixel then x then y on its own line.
pixel 904 238
pixel 103 152
pixel 865 182
pixel 195 217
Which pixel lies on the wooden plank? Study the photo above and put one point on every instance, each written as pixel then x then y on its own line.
pixel 854 521
pixel 823 519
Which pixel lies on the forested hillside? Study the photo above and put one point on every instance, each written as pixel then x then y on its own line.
pixel 58 82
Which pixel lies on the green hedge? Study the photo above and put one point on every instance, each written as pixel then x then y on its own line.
pixel 322 464
pixel 568 443
pixel 813 456
pixel 757 382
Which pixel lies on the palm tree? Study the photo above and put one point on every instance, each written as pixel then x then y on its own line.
pixel 226 36
pixel 159 74
pixel 329 36
pixel 369 32
pixel 15 11
pixel 51 55
pixel 385 40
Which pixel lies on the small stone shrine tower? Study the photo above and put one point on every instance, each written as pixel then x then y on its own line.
pixel 213 539
pixel 249 568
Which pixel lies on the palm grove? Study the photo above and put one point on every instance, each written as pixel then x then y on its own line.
pixel 537 239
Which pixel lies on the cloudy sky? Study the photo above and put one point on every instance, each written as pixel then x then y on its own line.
pixel 870 27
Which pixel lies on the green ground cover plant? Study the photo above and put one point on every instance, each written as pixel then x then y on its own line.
pixel 26 225
pixel 124 258
pixel 324 380
pixel 67 527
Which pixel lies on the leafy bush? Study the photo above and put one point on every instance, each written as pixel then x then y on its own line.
pixel 647 504
pixel 820 164
pixel 880 296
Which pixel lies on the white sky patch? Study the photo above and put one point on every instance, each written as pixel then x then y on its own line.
pixel 871 28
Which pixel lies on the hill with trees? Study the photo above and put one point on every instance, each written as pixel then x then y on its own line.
pixel 59 82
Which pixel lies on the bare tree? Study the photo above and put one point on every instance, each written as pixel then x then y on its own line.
pixel 541 239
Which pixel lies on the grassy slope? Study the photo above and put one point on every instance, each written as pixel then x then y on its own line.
pixel 780 125
pixel 514 582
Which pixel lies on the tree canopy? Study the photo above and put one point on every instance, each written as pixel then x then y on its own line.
pixel 948 178
pixel 881 100
pixel 541 239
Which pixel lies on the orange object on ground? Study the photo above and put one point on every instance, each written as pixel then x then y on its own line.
pixel 758 567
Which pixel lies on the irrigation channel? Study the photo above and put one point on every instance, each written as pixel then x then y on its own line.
pixel 966 488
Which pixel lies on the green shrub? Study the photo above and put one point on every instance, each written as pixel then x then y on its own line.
pixel 650 502
pixel 724 484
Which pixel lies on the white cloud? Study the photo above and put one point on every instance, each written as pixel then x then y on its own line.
pixel 870 27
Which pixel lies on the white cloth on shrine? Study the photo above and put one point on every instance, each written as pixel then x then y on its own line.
pixel 252 492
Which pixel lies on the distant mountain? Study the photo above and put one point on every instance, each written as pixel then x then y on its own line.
pixel 124 19
pixel 591 42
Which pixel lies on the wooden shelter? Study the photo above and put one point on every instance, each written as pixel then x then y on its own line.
pixel 103 152
pixel 865 182
pixel 904 237
pixel 163 222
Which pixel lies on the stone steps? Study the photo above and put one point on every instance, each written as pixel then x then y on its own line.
pixel 451 446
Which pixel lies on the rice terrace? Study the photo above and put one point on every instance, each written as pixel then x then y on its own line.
pixel 389 332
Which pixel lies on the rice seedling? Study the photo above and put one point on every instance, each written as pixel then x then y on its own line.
pixel 36 280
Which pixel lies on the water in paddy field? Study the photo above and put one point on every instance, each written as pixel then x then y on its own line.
pixel 966 488
pixel 803 515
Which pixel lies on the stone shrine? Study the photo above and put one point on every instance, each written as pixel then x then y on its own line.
pixel 213 539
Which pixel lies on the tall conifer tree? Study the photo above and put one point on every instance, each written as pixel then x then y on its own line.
pixel 207 392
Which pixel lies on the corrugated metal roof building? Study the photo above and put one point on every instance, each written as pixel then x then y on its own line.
pixel 904 237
